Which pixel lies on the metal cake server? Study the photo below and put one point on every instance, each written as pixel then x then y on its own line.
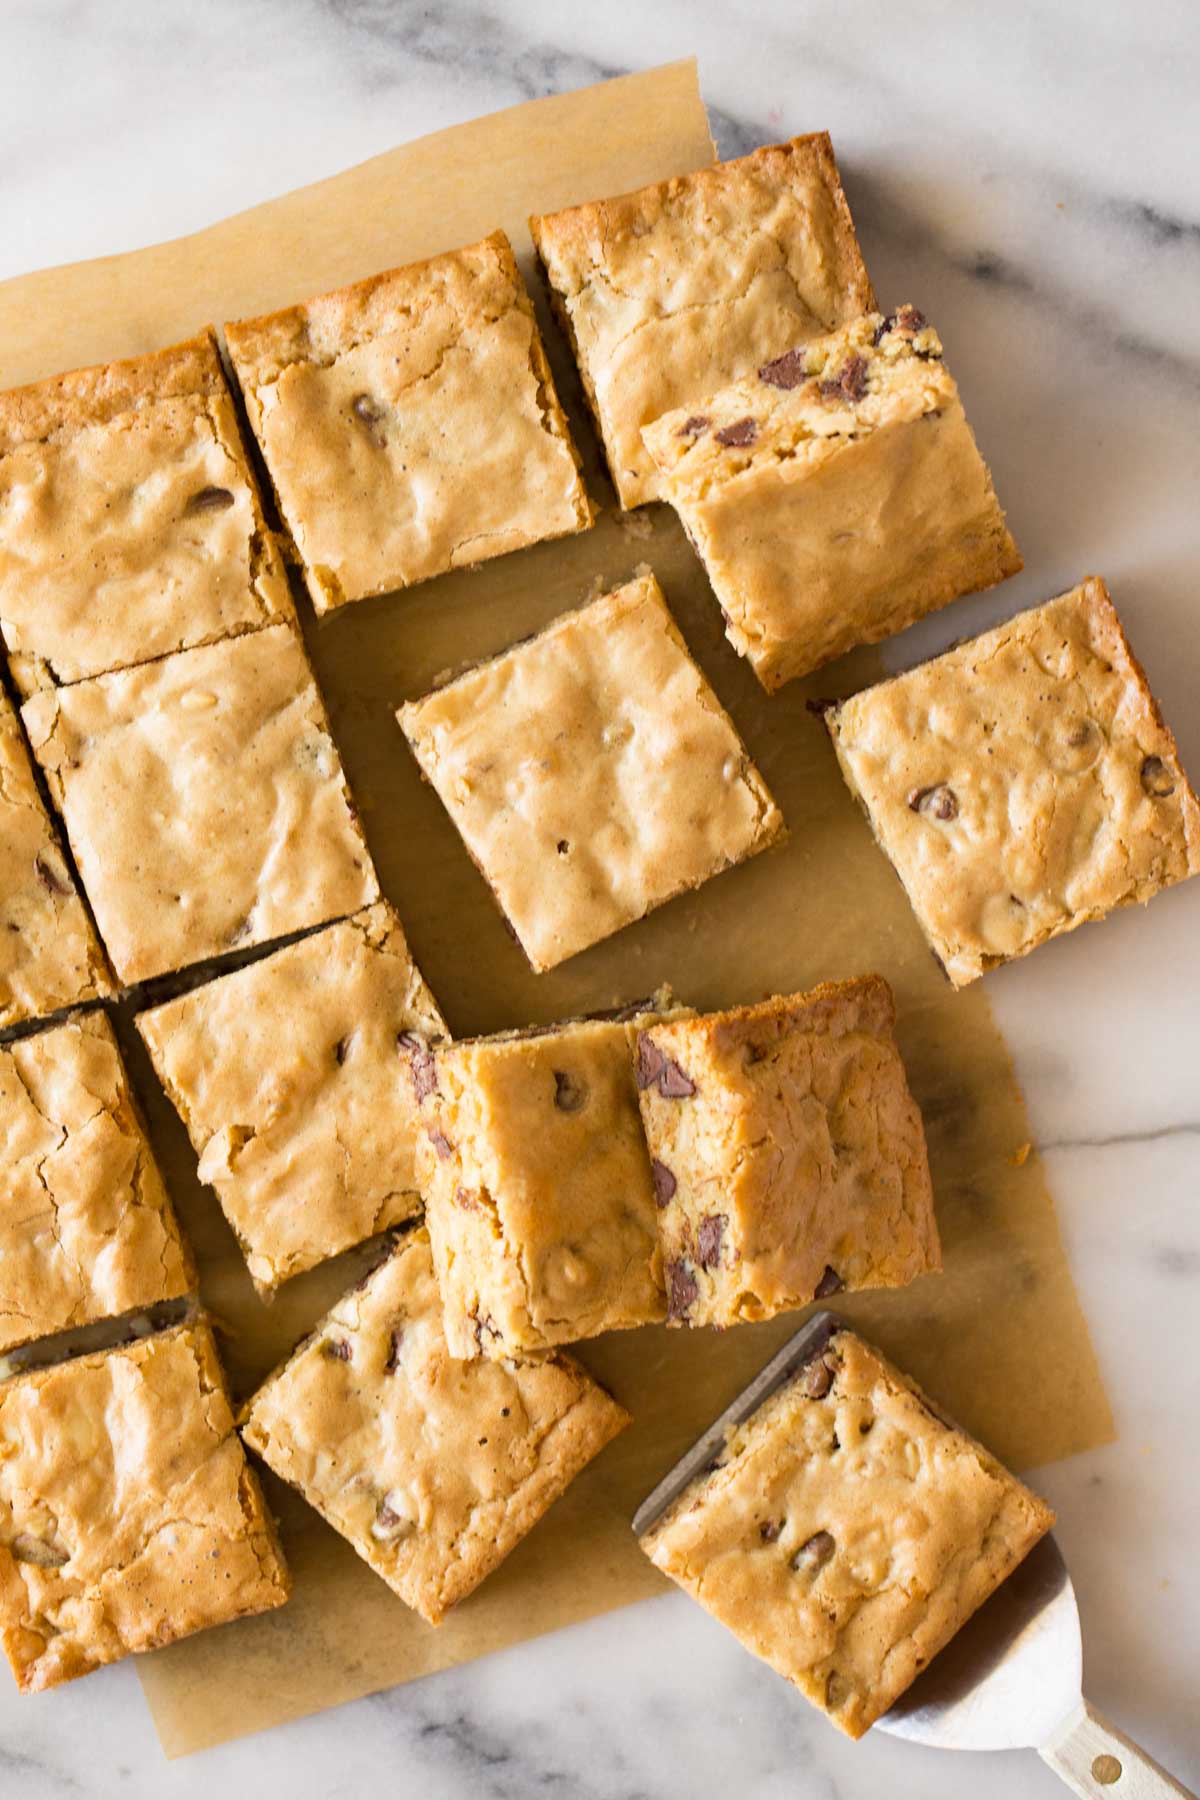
pixel 1013 1677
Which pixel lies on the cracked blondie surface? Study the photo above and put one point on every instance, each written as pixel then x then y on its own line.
pixel 410 423
pixel 434 1470
pixel 290 1076
pixel 670 292
pixel 204 800
pixel 592 773
pixel 129 521
pixel 129 1516
pixel 834 495
pixel 847 1532
pixel 538 1188
pixel 1023 783
pixel 788 1155
pixel 49 956
pixel 86 1229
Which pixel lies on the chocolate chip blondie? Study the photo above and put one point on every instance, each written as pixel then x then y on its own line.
pixel 289 1075
pixel 847 1532
pixel 1023 783
pixel 86 1229
pixel 130 525
pixel 129 1516
pixel 672 291
pixel 49 956
pixel 433 1470
pixel 538 1190
pixel 204 800
pixel 410 423
pixel 834 496
pixel 592 773
pixel 789 1157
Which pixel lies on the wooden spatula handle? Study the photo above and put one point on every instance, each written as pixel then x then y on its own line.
pixel 1101 1763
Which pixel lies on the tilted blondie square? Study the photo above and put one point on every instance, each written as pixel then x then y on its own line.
pixel 592 773
pixel 130 525
pixel 789 1156
pixel 672 291
pixel 290 1077
pixel 86 1229
pixel 538 1190
pixel 1023 783
pixel 204 800
pixel 847 1532
pixel 433 1470
pixel 49 957
pixel 410 423
pixel 129 1516
pixel 834 496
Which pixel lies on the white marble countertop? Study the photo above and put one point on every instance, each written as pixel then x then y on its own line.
pixel 1031 177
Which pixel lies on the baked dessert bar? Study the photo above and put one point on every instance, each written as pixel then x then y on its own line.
pixel 129 521
pixel 86 1229
pixel 538 1190
pixel 410 423
pixel 290 1077
pixel 49 957
pixel 789 1157
pixel 835 495
pixel 204 800
pixel 129 1516
pixel 433 1470
pixel 847 1532
pixel 1022 783
pixel 592 773
pixel 672 291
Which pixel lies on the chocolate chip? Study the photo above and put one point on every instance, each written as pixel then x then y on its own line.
pixel 849 384
pixel 368 415
pixel 650 1062
pixel 695 425
pixel 787 371
pixel 939 802
pixel 421 1065
pixel 770 1531
pixel 441 1144
pixel 817 1379
pixel 673 1084
pixel 815 1552
pixel 341 1050
pixel 1156 778
pixel 337 1349
pixel 209 499
pixel 737 435
pixel 569 1094
pixel 830 1283
pixel 708 1239
pixel 664 1182
pixel 388 1522
pixel 905 318
pixel 393 1356
pixel 681 1289
pixel 562 846
pixel 49 876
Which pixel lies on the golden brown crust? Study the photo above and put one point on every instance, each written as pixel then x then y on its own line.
pixel 129 1516
pixel 433 1470
pixel 847 1532
pixel 100 394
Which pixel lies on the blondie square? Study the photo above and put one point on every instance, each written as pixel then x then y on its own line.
pixel 290 1077
pixel 129 1516
pixel 835 495
pixel 675 290
pixel 129 521
pixel 1023 783
pixel 410 423
pixel 49 957
pixel 433 1470
pixel 204 800
pixel 86 1229
pixel 789 1157
pixel 847 1532
pixel 592 773
pixel 538 1191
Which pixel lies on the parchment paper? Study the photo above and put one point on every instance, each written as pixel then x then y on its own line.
pixel 999 1338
